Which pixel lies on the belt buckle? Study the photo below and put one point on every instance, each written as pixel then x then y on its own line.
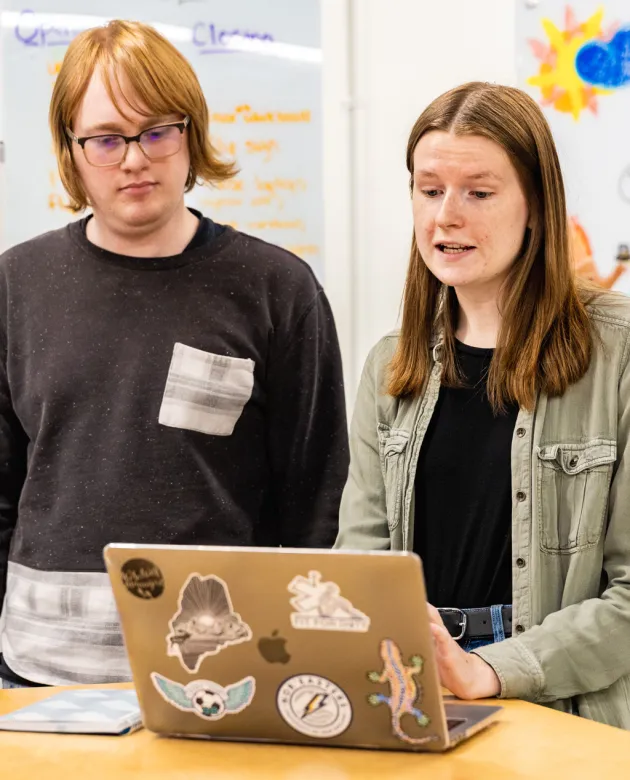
pixel 463 622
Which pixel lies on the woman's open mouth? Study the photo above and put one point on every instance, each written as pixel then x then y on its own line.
pixel 454 249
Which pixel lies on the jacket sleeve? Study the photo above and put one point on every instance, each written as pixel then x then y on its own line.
pixel 363 514
pixel 584 647
pixel 307 434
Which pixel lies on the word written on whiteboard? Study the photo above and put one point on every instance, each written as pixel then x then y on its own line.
pixel 273 185
pixel 32 29
pixel 301 250
pixel 267 148
pixel 56 201
pixel 211 39
pixel 278 224
pixel 231 185
pixel 248 115
pixel 220 203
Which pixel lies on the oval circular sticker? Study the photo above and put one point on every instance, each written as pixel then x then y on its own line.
pixel 314 706
pixel 142 578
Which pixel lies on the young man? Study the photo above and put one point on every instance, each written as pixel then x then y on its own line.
pixel 163 379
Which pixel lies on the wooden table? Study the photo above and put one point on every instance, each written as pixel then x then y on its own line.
pixel 528 742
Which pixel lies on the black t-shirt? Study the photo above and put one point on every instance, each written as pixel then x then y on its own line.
pixel 463 509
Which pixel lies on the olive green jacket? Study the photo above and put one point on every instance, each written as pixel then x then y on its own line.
pixel 570 519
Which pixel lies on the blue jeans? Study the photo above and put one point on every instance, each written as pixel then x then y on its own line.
pixel 6 684
pixel 497 630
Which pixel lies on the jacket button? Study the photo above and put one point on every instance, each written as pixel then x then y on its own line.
pixel 519 629
pixel 573 462
pixel 520 496
pixel 520 562
pixel 520 432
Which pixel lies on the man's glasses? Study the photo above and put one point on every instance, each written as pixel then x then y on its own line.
pixel 156 143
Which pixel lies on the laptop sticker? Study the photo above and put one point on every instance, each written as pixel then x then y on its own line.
pixel 405 694
pixel 314 706
pixel 205 622
pixel 319 605
pixel 204 698
pixel 142 578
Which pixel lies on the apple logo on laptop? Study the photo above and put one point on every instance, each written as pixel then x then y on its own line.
pixel 272 648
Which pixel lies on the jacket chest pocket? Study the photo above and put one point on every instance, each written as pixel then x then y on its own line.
pixel 392 450
pixel 573 484
pixel 205 392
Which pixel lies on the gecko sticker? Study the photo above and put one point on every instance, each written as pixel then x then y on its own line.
pixel 319 605
pixel 314 706
pixel 405 694
pixel 205 698
pixel 205 622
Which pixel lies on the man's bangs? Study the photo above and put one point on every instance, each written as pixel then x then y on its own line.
pixel 138 92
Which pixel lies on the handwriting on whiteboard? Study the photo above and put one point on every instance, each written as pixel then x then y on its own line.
pixel 45 30
pixel 211 39
pixel 249 115
pixel 31 30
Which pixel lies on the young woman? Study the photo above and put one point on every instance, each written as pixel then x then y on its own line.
pixel 490 434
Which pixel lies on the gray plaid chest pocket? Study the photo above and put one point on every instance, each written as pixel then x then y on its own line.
pixel 205 392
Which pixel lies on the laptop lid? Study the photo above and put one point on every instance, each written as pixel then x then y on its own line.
pixel 296 646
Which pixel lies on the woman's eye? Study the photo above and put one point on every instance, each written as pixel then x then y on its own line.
pixel 430 193
pixel 480 195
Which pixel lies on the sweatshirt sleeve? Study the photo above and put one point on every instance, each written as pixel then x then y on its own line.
pixel 13 446
pixel 306 432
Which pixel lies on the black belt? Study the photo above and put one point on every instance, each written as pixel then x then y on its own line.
pixel 474 624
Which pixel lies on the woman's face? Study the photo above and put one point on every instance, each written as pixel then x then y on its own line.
pixel 469 210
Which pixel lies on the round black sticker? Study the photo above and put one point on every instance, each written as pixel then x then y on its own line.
pixel 142 578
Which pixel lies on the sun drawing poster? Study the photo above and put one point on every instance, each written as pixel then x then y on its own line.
pixel 574 60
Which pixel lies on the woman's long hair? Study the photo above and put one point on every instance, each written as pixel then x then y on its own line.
pixel 545 339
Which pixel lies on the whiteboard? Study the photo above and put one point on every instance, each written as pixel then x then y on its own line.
pixel 259 65
pixel 574 59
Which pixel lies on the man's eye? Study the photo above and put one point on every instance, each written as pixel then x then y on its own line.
pixel 107 141
pixel 155 134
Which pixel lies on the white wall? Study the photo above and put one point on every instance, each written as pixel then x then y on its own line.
pixel 404 53
pixel 337 174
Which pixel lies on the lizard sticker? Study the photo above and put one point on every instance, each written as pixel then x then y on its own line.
pixel 404 694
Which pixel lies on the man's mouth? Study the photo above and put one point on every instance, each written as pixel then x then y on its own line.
pixel 139 185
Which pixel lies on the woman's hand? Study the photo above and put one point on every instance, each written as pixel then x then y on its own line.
pixel 466 675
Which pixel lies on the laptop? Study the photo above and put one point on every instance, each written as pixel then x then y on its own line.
pixel 311 647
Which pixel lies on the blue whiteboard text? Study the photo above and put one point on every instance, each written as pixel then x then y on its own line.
pixel 211 39
pixel 30 33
